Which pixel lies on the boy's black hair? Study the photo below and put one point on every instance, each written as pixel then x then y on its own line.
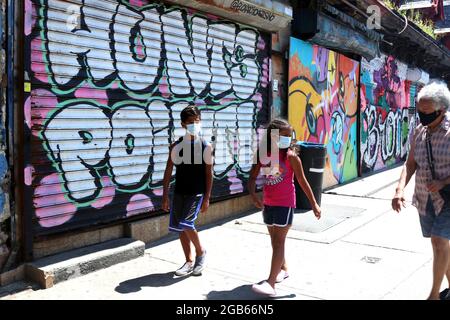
pixel 189 111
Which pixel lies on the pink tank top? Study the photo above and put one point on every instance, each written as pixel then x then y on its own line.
pixel 279 189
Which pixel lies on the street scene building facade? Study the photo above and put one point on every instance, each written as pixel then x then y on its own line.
pixel 91 94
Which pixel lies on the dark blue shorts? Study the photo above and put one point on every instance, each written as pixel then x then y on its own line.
pixel 278 216
pixel 184 211
pixel 436 225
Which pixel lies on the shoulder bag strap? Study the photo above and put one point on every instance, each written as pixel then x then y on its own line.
pixel 430 155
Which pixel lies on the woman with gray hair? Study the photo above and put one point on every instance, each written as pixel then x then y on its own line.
pixel 429 159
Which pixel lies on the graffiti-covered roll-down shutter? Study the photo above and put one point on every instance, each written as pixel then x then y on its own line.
pixel 108 81
pixel 386 122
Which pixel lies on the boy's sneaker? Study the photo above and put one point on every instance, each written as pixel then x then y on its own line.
pixel 199 264
pixel 185 269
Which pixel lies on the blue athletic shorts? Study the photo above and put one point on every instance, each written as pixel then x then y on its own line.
pixel 278 216
pixel 184 211
pixel 437 226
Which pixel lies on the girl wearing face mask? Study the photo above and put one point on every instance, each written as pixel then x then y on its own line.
pixel 429 160
pixel 279 165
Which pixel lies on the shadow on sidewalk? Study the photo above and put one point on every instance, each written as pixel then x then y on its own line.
pixel 243 292
pixel 17 287
pixel 174 236
pixel 151 280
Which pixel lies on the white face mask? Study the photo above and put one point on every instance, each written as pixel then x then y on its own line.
pixel 194 129
pixel 284 142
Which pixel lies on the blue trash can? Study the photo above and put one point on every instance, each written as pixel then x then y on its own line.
pixel 313 157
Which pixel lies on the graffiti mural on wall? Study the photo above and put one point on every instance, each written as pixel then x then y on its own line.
pixel 385 120
pixel 108 82
pixel 323 101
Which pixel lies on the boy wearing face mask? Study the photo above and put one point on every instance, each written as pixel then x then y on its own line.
pixel 192 157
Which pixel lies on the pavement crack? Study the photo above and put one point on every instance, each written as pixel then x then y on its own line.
pixel 358 196
pixel 383 247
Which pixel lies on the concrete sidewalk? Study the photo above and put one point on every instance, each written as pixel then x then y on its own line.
pixel 360 249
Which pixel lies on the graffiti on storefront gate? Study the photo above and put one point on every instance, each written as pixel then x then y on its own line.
pixel 323 104
pixel 108 82
pixel 385 120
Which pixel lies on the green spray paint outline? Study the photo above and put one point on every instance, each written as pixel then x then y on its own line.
pixel 145 184
pixel 57 164
pixel 55 86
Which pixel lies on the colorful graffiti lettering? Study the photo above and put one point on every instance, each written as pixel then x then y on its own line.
pixel 109 80
pixel 145 45
pixel 323 105
pixel 116 142
pixel 385 120
pixel 384 137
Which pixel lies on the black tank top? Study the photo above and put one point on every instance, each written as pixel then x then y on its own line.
pixel 190 176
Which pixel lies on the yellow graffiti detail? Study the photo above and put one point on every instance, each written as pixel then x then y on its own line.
pixel 302 93
pixel 332 68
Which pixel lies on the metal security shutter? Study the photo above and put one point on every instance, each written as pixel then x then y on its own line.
pixel 108 82
pixel 384 113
